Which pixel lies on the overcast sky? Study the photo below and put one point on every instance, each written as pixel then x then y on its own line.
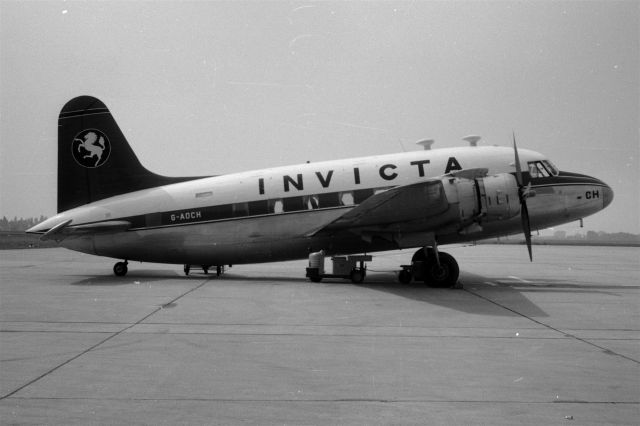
pixel 215 87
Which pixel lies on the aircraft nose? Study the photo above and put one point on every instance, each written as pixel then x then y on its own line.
pixel 601 190
pixel 607 197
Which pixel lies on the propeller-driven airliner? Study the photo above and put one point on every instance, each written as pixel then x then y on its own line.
pixel 110 205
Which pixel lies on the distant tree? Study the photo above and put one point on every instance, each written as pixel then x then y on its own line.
pixel 20 224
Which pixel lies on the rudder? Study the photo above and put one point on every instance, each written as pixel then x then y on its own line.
pixel 95 161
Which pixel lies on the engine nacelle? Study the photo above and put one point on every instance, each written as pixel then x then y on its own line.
pixel 480 198
pixel 499 196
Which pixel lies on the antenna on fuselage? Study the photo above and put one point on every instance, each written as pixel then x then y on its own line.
pixel 426 144
pixel 472 139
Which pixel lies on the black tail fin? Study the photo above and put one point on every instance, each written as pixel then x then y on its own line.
pixel 95 160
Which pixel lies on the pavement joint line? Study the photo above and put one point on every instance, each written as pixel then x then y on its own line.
pixel 117 333
pixel 332 400
pixel 364 335
pixel 573 336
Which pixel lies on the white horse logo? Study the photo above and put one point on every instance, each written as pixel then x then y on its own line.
pixel 91 148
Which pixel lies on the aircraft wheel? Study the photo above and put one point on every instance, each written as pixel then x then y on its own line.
pixel 120 269
pixel 405 276
pixel 419 256
pixel 445 275
pixel 357 276
pixel 187 268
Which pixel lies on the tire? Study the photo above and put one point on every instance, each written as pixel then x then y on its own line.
pixel 445 275
pixel 419 256
pixel 120 269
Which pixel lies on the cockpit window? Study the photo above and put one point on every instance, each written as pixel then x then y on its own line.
pixel 535 169
pixel 551 167
pixel 540 169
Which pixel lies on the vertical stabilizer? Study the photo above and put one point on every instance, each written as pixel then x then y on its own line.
pixel 95 160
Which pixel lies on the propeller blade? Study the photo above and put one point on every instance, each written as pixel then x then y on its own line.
pixel 526 227
pixel 518 168
pixel 522 195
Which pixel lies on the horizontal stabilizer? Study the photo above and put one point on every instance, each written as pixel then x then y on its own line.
pixel 109 226
pixel 53 232
pixel 63 230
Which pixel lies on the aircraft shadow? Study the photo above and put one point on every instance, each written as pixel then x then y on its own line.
pixel 132 278
pixel 476 294
pixel 498 295
pixel 148 276
pixel 472 295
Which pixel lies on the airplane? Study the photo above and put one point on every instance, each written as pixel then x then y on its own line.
pixel 110 205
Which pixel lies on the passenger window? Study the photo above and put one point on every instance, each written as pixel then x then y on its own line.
pixel 275 206
pixel 258 207
pixel 240 209
pixel 221 212
pixel 361 194
pixel 293 204
pixel 329 200
pixel 346 198
pixel 311 202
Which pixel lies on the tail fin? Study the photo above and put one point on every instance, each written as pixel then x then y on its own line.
pixel 95 160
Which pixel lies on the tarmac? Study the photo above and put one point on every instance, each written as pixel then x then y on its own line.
pixel 554 342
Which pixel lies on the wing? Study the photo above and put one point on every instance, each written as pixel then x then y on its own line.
pixel 417 207
pixel 397 205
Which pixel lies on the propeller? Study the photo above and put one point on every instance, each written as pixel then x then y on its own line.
pixel 523 193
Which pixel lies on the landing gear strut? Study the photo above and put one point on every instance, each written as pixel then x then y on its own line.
pixel 120 269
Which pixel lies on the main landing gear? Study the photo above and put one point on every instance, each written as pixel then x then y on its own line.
pixel 428 265
pixel 436 269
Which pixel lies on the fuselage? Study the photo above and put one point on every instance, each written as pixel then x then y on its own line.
pixel 273 214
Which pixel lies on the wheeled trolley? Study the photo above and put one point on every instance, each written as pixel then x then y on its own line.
pixel 347 267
